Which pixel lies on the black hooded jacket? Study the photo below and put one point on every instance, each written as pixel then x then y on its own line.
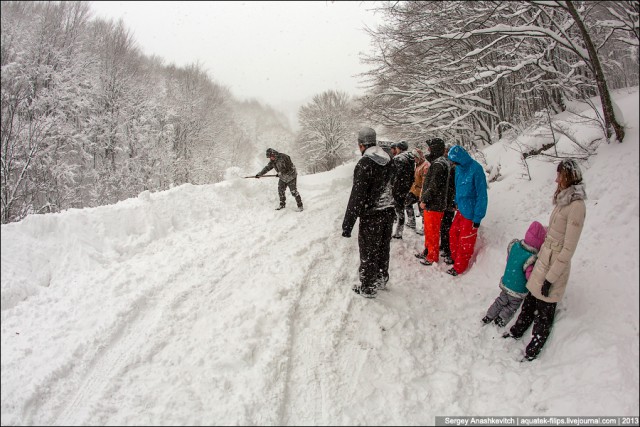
pixel 403 170
pixel 371 190
pixel 438 187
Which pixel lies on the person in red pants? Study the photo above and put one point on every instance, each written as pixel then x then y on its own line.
pixel 471 200
pixel 438 191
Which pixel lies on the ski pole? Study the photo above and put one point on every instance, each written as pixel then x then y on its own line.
pixel 261 176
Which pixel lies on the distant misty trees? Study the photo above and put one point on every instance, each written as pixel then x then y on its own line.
pixel 469 71
pixel 88 120
pixel 327 129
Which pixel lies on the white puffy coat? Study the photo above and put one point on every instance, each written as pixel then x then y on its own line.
pixel 554 258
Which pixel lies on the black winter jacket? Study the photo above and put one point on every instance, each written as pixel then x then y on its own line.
pixel 438 188
pixel 403 174
pixel 283 166
pixel 371 190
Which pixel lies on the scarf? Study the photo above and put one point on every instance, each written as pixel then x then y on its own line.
pixel 569 194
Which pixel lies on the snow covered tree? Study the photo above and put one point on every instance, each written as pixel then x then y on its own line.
pixel 327 128
pixel 468 70
pixel 43 71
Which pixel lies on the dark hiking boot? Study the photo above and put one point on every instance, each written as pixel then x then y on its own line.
pixel 300 208
pixel 508 334
pixel 421 255
pixel 381 283
pixel 498 321
pixel 448 260
pixel 367 292
pixel 486 319
pixel 398 233
pixel 425 261
pixel 452 271
pixel 280 207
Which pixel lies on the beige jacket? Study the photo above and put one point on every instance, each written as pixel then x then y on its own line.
pixel 419 174
pixel 554 258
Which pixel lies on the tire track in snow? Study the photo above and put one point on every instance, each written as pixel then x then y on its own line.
pixel 308 397
pixel 143 321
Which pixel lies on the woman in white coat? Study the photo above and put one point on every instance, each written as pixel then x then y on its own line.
pixel 548 280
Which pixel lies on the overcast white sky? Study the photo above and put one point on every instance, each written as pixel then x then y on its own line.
pixel 281 53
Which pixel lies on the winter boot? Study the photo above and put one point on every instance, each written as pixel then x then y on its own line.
pixel 381 283
pixel 300 208
pixel 452 271
pixel 448 260
pixel 367 292
pixel 398 233
pixel 282 206
pixel 486 320
pixel 508 334
pixel 498 321
pixel 422 255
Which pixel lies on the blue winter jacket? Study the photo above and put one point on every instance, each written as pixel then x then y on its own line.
pixel 471 185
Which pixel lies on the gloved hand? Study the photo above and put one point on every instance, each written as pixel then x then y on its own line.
pixel 546 287
pixel 346 233
pixel 476 225
pixel 257 176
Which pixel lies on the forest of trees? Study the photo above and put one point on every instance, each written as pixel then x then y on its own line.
pixel 469 71
pixel 87 119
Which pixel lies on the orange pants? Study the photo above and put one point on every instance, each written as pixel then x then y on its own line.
pixel 432 221
pixel 462 238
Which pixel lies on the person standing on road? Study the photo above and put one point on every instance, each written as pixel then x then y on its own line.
pixel 371 200
pixel 471 201
pixel 403 174
pixel 422 166
pixel 287 173
pixel 550 275
pixel 438 191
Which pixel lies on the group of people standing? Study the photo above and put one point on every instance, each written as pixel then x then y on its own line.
pixel 449 187
pixel 451 191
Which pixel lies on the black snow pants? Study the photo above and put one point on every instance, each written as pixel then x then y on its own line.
pixel 541 314
pixel 374 242
pixel 445 227
pixel 282 186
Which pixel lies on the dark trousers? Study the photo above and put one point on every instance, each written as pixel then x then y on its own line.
pixel 445 226
pixel 409 202
pixel 541 314
pixel 374 241
pixel 282 186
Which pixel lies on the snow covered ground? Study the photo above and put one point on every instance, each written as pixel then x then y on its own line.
pixel 202 305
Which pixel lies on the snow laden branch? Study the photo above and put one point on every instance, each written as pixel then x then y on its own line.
pixel 470 69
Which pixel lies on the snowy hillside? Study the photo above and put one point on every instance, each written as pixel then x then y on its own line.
pixel 204 305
